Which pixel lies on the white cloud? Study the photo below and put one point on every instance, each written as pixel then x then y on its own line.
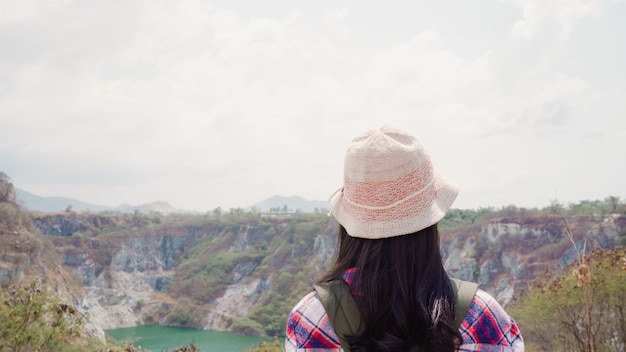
pixel 554 17
pixel 28 10
pixel 204 105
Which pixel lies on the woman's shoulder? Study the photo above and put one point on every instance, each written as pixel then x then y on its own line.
pixel 308 327
pixel 309 302
pixel 486 327
pixel 487 323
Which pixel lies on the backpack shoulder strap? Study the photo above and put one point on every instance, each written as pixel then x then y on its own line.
pixel 345 318
pixel 464 292
pixel 343 312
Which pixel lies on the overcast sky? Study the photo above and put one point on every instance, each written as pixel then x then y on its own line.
pixel 226 103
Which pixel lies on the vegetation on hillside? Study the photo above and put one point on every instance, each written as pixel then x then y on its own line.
pixel 245 245
pixel 274 346
pixel 465 217
pixel 112 222
pixel 238 243
pixel 581 310
pixel 80 224
pixel 31 319
pixel 226 246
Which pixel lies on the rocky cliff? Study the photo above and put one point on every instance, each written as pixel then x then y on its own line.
pixel 27 257
pixel 121 274
pixel 243 272
pixel 504 254
pixel 221 272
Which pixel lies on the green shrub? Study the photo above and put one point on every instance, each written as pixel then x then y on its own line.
pixel 577 312
pixel 33 320
pixel 274 346
pixel 185 314
pixel 24 325
pixel 248 326
pixel 149 319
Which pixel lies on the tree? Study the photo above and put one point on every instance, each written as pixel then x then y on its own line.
pixel 555 206
pixel 585 311
pixel 31 320
pixel 613 201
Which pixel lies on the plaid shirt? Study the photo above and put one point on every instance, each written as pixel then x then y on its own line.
pixel 487 327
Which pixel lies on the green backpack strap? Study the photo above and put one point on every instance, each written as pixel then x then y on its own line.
pixel 345 318
pixel 343 312
pixel 464 291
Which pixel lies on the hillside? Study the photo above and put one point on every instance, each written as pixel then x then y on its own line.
pixel 242 271
pixel 27 258
pixel 232 272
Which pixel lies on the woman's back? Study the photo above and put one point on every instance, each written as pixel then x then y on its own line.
pixel 486 327
pixel 388 209
pixel 392 276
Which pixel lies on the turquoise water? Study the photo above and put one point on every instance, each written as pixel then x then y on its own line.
pixel 162 338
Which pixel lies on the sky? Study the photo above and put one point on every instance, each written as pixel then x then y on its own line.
pixel 226 103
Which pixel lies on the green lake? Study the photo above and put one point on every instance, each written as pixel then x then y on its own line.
pixel 162 338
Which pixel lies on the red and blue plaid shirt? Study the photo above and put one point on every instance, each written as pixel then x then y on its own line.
pixel 487 327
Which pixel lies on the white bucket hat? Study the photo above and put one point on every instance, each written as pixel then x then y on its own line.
pixel 390 186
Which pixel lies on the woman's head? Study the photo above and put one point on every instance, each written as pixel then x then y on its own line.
pixel 388 209
pixel 390 186
pixel 415 255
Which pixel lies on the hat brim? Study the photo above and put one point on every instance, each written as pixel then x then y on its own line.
pixel 413 215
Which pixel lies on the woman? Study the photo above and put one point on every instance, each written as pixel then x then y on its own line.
pixel 389 257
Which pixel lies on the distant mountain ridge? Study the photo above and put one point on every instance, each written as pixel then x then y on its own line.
pixel 293 203
pixel 34 202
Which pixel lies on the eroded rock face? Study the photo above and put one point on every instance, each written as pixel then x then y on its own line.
pixel 488 269
pixel 502 256
pixel 491 258
pixel 508 253
pixel 25 258
pixel 148 254
pixel 67 224
pixel 236 302
pixel 512 263
pixel 325 246
pixel 139 268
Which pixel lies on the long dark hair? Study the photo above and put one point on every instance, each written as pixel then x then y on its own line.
pixel 404 293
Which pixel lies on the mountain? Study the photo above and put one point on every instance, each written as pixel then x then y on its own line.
pixel 293 203
pixel 34 202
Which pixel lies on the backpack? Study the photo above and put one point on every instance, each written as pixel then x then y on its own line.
pixel 345 318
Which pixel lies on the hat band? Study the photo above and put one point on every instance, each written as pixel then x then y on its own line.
pixel 389 206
